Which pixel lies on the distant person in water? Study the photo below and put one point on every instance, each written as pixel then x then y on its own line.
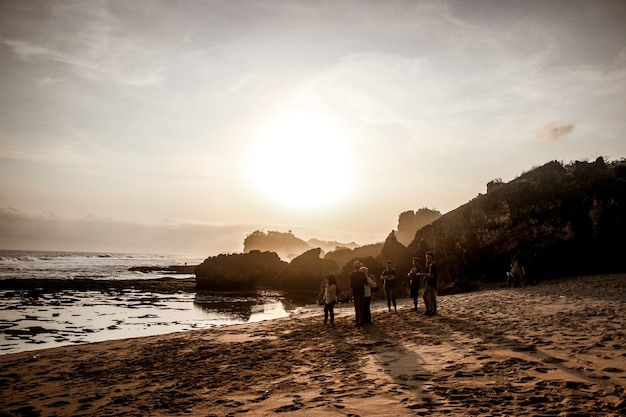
pixel 371 283
pixel 330 298
pixel 430 285
pixel 357 292
pixel 414 282
pixel 389 277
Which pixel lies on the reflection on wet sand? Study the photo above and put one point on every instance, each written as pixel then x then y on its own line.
pixel 238 306
pixel 245 306
pixel 72 317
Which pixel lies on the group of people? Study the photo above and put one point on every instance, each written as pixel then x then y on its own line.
pixel 362 283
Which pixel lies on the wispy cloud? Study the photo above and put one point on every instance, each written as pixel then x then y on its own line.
pixel 555 132
pixel 86 66
pixel 243 83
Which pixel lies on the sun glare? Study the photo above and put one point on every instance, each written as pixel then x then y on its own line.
pixel 302 161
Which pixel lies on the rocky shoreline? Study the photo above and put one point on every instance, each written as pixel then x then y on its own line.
pixel 35 286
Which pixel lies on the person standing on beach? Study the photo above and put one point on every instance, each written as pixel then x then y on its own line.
pixel 357 292
pixel 430 285
pixel 389 277
pixel 330 298
pixel 371 283
pixel 414 282
pixel 516 276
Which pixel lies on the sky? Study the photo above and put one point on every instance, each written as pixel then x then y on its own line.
pixel 180 127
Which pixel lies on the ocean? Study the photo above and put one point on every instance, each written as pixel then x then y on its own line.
pixel 73 317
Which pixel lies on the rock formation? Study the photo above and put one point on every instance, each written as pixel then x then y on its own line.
pixel 238 271
pixel 569 219
pixel 559 220
pixel 410 222
pixel 345 256
pixel 286 245
pixel 306 272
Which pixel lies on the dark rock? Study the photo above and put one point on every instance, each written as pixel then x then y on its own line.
pixel 305 272
pixel 345 256
pixel 174 269
pixel 238 271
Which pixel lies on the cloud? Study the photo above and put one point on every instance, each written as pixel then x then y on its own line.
pixel 89 65
pixel 48 231
pixel 554 132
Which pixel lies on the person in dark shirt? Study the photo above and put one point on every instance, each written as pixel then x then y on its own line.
pixel 430 285
pixel 389 277
pixel 357 292
pixel 414 282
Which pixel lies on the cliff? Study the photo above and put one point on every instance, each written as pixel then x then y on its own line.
pixel 559 219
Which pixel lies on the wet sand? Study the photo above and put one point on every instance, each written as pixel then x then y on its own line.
pixel 558 348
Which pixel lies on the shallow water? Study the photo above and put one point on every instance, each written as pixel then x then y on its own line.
pixel 30 322
pixel 74 317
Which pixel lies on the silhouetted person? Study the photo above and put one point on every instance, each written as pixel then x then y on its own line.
pixel 357 292
pixel 414 282
pixel 389 277
pixel 430 285
pixel 516 275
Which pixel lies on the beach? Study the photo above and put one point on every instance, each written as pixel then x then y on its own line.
pixel 555 349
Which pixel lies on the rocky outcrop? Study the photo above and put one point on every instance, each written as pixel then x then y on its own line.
pixel 561 220
pixel 286 245
pixel 305 272
pixel 238 271
pixel 410 222
pixel 329 246
pixel 345 256
pixel 393 251
pixel 172 269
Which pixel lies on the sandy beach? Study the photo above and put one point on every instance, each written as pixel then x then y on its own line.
pixel 556 349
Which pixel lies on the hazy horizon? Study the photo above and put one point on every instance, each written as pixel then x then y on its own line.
pixel 150 126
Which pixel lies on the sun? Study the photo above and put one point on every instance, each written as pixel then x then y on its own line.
pixel 302 161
